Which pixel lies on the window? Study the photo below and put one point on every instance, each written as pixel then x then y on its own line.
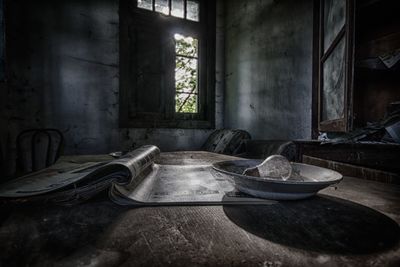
pixel 186 9
pixel 186 74
pixel 167 63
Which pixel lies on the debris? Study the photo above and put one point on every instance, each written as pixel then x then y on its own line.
pixel 384 131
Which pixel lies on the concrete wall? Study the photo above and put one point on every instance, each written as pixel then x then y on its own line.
pixel 268 66
pixel 64 73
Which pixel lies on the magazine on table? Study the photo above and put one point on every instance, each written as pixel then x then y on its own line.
pixel 133 179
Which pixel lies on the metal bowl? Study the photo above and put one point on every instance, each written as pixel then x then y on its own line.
pixel 305 181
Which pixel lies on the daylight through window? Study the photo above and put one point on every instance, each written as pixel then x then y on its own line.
pixel 167 64
pixel 186 9
pixel 186 74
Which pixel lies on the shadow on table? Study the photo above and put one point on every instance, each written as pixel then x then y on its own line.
pixel 323 224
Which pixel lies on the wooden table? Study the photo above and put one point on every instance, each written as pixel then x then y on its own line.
pixel 356 224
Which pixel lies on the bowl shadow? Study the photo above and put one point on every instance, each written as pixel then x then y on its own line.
pixel 322 224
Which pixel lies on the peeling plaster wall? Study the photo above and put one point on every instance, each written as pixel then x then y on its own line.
pixel 63 73
pixel 220 65
pixel 268 66
pixel 2 44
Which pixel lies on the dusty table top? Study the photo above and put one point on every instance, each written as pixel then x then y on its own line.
pixel 356 224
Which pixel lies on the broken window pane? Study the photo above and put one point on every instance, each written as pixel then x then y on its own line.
pixel 162 6
pixel 186 74
pixel 192 10
pixel 145 4
pixel 177 8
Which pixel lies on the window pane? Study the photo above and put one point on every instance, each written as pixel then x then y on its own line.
pixel 177 8
pixel 192 12
pixel 186 74
pixel 145 4
pixel 334 20
pixel 186 103
pixel 162 6
pixel 333 84
pixel 186 46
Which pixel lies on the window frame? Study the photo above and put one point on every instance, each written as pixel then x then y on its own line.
pixel 204 31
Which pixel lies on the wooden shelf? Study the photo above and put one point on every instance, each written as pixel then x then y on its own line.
pixel 367 3
pixel 377 47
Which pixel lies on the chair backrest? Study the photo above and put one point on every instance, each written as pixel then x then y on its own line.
pixel 226 141
pixel 38 149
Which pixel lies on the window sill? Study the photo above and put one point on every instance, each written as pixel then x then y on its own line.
pixel 178 124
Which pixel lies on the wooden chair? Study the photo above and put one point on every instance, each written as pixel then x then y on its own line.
pixel 226 141
pixel 38 149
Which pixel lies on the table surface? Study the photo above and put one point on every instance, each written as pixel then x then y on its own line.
pixel 355 224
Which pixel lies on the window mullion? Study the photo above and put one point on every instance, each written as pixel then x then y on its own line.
pixel 189 57
pixel 184 9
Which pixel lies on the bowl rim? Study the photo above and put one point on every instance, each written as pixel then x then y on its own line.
pixel 272 180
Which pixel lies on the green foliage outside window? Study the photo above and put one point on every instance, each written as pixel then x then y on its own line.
pixel 186 74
